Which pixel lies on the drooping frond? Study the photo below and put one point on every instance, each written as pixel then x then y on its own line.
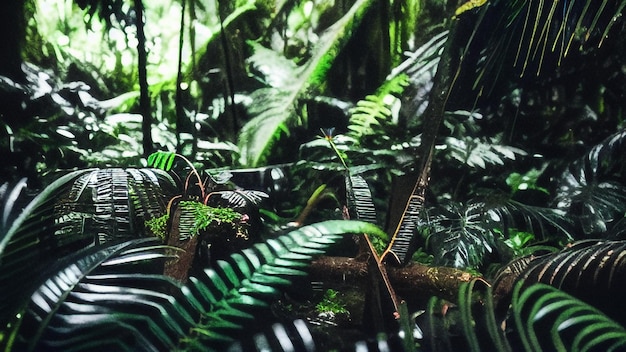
pixel 122 275
pixel 534 36
pixel 546 318
pixel 281 108
pixel 592 271
pixel 77 210
pixel 113 297
pixel 249 280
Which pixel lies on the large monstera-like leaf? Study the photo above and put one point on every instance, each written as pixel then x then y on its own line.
pixel 112 297
pixel 461 236
pixel 591 189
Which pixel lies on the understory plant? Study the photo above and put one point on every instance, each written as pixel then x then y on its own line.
pixel 471 132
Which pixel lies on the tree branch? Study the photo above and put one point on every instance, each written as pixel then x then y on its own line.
pixel 416 281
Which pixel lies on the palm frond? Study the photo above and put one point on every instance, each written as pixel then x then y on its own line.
pixel 123 275
pixel 77 210
pixel 114 203
pixel 534 36
pixel 584 265
pixel 280 110
pixel 103 298
pixel 547 318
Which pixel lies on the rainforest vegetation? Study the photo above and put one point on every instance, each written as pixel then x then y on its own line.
pixel 300 175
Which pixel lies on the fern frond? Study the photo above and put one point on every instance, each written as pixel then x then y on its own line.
pixel 113 296
pixel 584 265
pixel 161 160
pixel 367 115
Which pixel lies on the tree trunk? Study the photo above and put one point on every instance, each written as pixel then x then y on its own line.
pixel 12 28
pixel 144 95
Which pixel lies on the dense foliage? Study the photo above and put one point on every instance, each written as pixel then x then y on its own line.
pixel 486 137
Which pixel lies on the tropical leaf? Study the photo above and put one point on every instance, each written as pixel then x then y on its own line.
pixel 77 210
pixel 581 266
pixel 281 108
pixel 591 189
pixel 359 199
pixel 113 296
pixel 534 36
pixel 548 319
pixel 476 153
pixel 544 223
pixel 161 160
pixel 459 235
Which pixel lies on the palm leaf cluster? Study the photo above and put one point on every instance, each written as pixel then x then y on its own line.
pixel 547 306
pixel 79 209
pixel 528 37
pixel 115 295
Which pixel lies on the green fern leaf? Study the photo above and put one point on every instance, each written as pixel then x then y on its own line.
pixel 161 160
pixel 368 114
